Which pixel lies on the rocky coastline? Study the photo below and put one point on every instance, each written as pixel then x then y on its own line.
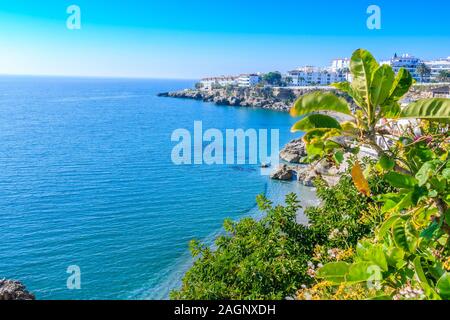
pixel 270 98
pixel 278 99
pixel 281 99
pixel 294 166
pixel 14 290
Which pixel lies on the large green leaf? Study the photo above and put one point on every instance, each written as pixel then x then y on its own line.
pixel 399 180
pixel 405 201
pixel 372 253
pixel 315 121
pixel 429 291
pixel 395 257
pixel 381 84
pixel 427 170
pixel 403 81
pixel 334 271
pixel 386 162
pixel 339 157
pixel 391 109
pixel 347 88
pixel 343 86
pixel 428 232
pixel 319 101
pixel 390 201
pixel 361 272
pixel 317 143
pixel 387 225
pixel 315 149
pixel 321 134
pixel 405 237
pixel 431 109
pixel 443 285
pixel 362 67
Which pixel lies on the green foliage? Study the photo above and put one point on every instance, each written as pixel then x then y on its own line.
pixel 444 75
pixel 407 257
pixel 263 259
pixel 423 70
pixel 362 67
pixel 376 91
pixel 386 162
pixel 334 271
pixel 315 121
pixel 272 78
pixel 381 85
pixel 344 209
pixel 443 285
pixel 410 249
pixel 318 101
pixel 402 83
pixel 438 108
pixel 381 233
pixel 268 258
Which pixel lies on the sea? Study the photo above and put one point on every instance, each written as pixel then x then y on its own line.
pixel 87 183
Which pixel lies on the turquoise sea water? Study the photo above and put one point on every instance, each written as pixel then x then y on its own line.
pixel 86 179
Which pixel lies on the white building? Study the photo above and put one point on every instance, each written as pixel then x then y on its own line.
pixel 340 64
pixel 223 81
pixel 248 80
pixel 437 66
pixel 407 62
pixel 311 76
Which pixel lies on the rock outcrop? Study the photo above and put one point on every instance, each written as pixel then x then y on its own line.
pixel 278 99
pixel 14 290
pixel 294 151
pixel 283 172
pixel 306 174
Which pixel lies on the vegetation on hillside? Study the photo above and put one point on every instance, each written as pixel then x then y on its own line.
pixel 271 258
pixel 381 233
pixel 408 256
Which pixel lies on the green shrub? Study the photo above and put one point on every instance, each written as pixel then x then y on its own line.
pixel 263 259
pixel 271 258
pixel 407 257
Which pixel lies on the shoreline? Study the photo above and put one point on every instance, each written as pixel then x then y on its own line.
pixel 269 98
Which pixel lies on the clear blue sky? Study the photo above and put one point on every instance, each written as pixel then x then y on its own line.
pixel 191 39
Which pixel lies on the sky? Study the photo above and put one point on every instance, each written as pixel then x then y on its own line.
pixel 197 38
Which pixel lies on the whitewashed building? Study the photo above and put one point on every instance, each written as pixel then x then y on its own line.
pixel 437 66
pixel 248 80
pixel 408 62
pixel 313 76
pixel 340 64
pixel 223 81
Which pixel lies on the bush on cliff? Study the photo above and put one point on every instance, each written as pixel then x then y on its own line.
pixel 263 259
pixel 271 258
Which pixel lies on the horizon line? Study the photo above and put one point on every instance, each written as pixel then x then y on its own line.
pixel 94 76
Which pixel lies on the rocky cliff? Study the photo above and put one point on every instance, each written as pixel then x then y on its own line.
pixel 14 290
pixel 279 99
